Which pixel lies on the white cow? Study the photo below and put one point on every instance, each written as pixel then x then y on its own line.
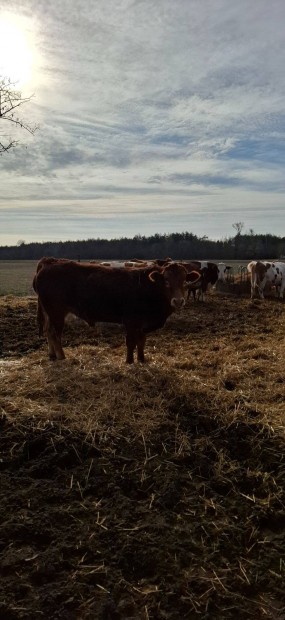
pixel 263 272
pixel 223 271
pixel 279 269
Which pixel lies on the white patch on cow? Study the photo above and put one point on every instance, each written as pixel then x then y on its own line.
pixel 251 265
pixel 222 270
pixel 204 264
pixel 113 263
pixel 279 270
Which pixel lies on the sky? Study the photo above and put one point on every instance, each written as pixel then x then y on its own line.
pixel 154 117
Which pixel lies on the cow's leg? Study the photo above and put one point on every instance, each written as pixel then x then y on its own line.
pixel 51 350
pixel 281 289
pixel 54 331
pixel 253 285
pixel 141 338
pixel 193 291
pixel 44 322
pixel 261 288
pixel 131 342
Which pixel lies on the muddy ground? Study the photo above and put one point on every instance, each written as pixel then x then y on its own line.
pixel 144 492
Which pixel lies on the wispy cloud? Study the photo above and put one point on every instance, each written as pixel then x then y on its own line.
pixel 151 114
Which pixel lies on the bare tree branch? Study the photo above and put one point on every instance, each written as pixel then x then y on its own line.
pixel 238 226
pixel 10 100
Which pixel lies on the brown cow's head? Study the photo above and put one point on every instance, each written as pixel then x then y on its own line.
pixel 261 269
pixel 174 279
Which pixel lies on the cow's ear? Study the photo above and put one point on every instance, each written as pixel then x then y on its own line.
pixel 155 276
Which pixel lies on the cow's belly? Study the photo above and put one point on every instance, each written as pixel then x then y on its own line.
pixel 141 313
pixel 108 316
pixel 96 308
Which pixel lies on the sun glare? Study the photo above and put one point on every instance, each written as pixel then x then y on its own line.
pixel 16 55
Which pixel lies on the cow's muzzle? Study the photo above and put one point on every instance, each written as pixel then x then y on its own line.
pixel 178 303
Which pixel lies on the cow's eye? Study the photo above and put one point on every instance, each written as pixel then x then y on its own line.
pixel 167 283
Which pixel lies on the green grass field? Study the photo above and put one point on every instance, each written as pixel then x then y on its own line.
pixel 16 276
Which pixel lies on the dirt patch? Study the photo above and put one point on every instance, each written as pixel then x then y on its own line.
pixel 152 491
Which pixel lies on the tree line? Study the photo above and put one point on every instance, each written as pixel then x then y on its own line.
pixel 183 246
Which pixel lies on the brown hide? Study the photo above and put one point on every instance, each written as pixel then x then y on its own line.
pixel 260 270
pixel 161 262
pixel 44 262
pixel 140 299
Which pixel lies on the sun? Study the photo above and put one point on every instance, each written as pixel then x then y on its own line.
pixel 16 54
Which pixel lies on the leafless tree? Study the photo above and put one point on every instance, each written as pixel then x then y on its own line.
pixel 10 101
pixel 238 226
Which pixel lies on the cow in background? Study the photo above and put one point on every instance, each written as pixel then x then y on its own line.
pixel 140 299
pixel 210 273
pixel 136 262
pixel 263 273
pixel 225 272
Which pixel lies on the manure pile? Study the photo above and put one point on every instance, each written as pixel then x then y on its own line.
pixel 144 492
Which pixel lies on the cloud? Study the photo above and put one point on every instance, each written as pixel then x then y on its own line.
pixel 178 107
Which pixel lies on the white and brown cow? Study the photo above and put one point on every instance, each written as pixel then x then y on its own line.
pixel 263 273
pixel 210 272
pixel 121 264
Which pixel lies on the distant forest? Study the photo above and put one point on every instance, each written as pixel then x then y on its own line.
pixel 176 246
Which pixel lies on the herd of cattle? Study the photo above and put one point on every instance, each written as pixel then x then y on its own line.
pixel 138 294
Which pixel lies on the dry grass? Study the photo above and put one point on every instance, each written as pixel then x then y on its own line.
pixel 16 277
pixel 170 475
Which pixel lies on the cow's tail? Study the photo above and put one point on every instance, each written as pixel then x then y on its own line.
pixel 40 319
pixel 35 283
pixel 40 313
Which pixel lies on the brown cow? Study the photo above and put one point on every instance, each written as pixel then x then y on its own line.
pixel 140 299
